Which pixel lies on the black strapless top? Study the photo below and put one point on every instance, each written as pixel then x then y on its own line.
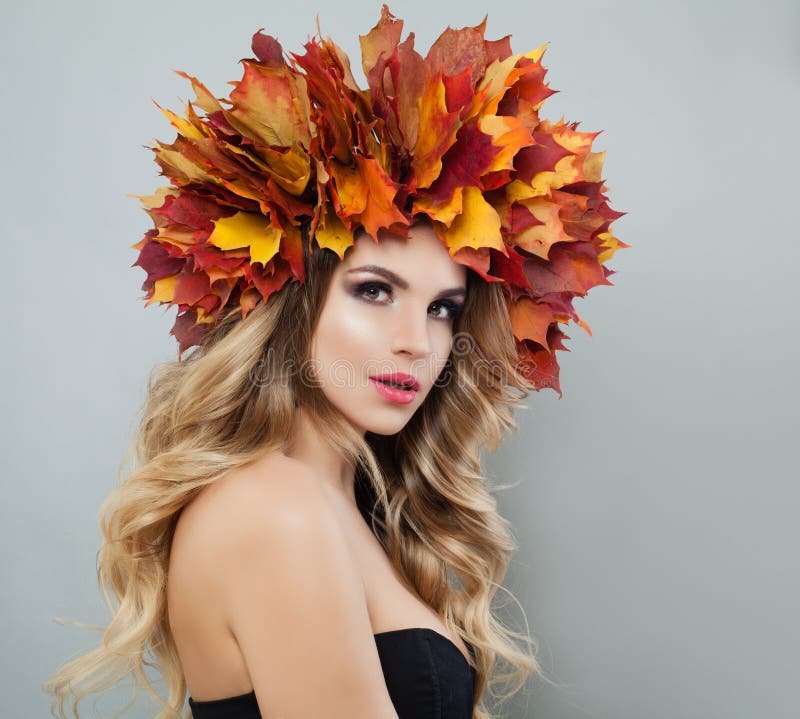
pixel 426 674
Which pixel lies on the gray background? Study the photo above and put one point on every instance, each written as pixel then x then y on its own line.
pixel 655 505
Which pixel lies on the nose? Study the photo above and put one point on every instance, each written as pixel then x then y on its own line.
pixel 410 333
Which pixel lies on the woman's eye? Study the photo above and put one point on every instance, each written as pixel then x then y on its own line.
pixel 372 288
pixel 453 310
pixel 371 292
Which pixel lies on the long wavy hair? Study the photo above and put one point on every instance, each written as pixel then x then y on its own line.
pixel 232 399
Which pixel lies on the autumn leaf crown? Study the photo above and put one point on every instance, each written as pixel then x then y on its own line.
pixel 455 135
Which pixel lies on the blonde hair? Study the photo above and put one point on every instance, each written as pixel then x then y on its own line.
pixel 231 400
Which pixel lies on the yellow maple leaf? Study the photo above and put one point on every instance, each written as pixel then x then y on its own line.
pixel 444 212
pixel 246 229
pixel 509 134
pixel 440 128
pixel 332 233
pixel 163 290
pixel 477 226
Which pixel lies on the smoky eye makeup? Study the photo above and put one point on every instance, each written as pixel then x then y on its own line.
pixel 371 290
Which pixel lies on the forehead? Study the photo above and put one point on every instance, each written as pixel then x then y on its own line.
pixel 421 258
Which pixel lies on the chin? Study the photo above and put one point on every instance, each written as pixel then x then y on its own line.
pixel 387 429
pixel 372 413
pixel 386 420
pixel 383 425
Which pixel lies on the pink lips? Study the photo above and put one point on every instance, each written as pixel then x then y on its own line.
pixel 399 378
pixel 396 394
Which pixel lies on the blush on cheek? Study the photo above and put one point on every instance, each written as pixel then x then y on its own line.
pixel 358 325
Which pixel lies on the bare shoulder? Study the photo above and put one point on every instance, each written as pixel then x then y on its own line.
pixel 277 488
pixel 239 510
pixel 275 477
pixel 274 501
pixel 290 591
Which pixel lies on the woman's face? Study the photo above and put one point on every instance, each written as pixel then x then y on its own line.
pixel 390 308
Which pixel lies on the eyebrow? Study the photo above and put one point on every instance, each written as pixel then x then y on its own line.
pixel 400 282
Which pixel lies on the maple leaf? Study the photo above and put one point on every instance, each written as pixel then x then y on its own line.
pixel 444 211
pixel 477 226
pixel 333 109
pixel 157 262
pixel 190 210
pixel 539 364
pixel 245 229
pixel 270 104
pixel 571 268
pixel 470 157
pixel 365 194
pixel 380 41
pixel 332 233
pixel 189 330
pixel 440 126
pixel 189 286
pixel 530 320
pixel 456 50
pixel 478 260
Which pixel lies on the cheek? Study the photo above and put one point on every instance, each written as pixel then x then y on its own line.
pixel 345 335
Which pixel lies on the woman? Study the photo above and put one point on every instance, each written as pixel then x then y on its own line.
pixel 337 585
pixel 372 280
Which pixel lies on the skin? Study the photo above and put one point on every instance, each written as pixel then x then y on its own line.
pixel 370 330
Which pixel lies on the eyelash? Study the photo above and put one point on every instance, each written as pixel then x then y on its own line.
pixel 453 308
